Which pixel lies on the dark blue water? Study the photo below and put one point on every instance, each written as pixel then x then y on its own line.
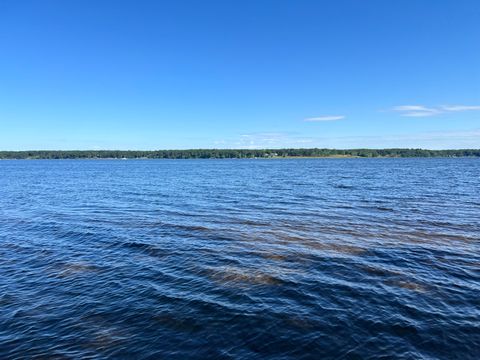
pixel 240 259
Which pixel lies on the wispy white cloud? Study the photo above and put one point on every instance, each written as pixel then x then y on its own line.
pixel 424 111
pixel 267 140
pixel 428 140
pixel 325 118
pixel 460 107
pixel 416 110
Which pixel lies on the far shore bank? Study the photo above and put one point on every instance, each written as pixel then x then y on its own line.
pixel 250 158
pixel 311 153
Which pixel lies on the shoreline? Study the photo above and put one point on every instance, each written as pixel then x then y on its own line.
pixel 263 154
pixel 254 158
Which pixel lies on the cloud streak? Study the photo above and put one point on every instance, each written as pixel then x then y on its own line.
pixel 325 118
pixel 460 139
pixel 426 111
pixel 460 107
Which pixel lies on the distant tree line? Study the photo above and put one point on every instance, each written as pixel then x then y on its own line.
pixel 233 153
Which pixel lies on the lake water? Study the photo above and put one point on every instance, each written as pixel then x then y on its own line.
pixel 240 259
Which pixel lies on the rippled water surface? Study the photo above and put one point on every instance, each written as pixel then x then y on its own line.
pixel 240 259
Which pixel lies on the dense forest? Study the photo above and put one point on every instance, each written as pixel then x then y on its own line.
pixel 233 153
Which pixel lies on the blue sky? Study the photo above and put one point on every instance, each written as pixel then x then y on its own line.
pixel 239 74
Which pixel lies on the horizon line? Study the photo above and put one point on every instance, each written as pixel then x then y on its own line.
pixel 241 149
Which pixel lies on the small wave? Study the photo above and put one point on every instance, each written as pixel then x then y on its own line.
pixel 229 275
